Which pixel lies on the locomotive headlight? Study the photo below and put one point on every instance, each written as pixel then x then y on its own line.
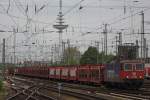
pixel 127 76
pixel 140 76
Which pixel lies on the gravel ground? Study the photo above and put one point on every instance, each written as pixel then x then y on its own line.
pixel 2 95
pixel 55 95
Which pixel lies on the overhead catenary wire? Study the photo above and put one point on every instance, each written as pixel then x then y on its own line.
pixel 17 17
pixel 93 28
pixel 20 8
pixel 42 22
pixel 76 5
pixel 121 19
pixel 9 15
pixel 8 6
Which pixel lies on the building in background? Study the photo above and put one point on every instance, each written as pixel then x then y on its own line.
pixel 128 51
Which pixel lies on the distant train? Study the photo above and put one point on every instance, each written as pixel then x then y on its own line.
pixel 127 74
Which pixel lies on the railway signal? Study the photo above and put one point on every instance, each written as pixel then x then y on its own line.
pixel 59 89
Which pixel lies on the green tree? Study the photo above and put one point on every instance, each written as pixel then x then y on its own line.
pixel 105 58
pixel 1 66
pixel 90 56
pixel 101 57
pixel 71 56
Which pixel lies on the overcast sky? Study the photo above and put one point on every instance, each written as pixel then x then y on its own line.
pixel 86 23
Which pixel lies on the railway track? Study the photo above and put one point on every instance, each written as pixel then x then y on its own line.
pixel 12 91
pixel 27 90
pixel 30 94
pixel 93 93
pixel 76 94
pixel 135 95
pixel 146 84
pixel 130 94
pixel 43 88
pixel 119 94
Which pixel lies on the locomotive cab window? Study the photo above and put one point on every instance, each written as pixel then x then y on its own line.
pixel 128 67
pixel 139 67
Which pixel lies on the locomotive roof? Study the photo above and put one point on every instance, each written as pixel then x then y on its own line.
pixel 132 61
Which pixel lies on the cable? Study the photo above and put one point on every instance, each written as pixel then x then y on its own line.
pixel 128 17
pixel 8 7
pixel 37 21
pixel 114 22
pixel 4 25
pixel 9 15
pixel 19 7
pixel 73 7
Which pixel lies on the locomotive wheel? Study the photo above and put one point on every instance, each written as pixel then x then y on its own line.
pixel 108 85
pixel 133 84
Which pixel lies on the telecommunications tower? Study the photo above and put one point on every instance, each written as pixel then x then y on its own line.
pixel 60 26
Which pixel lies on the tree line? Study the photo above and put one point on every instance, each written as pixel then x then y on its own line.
pixel 72 56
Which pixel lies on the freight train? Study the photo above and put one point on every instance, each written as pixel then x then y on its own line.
pixel 127 74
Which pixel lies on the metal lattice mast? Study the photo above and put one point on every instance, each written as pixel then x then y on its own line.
pixel 142 36
pixel 14 47
pixel 3 52
pixel 105 39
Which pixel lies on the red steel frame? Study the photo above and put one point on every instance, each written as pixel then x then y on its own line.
pixel 75 69
pixel 64 77
pixel 98 79
pixel 59 75
pixel 86 70
pixel 52 76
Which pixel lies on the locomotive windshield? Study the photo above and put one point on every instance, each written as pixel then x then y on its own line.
pixel 139 66
pixel 128 67
pixel 131 67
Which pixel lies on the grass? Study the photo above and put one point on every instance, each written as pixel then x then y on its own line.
pixel 1 85
pixel 2 91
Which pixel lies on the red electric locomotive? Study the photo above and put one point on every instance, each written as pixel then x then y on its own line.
pixel 126 74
